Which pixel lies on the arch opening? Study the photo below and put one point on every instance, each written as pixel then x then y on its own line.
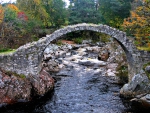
pixel 109 40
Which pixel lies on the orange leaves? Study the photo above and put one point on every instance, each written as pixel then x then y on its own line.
pixel 138 23
pixel 1 13
pixel 134 19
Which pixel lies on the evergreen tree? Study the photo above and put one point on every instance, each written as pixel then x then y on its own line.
pixel 58 13
pixel 114 11
pixel 84 11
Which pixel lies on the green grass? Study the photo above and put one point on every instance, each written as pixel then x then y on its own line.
pixel 5 52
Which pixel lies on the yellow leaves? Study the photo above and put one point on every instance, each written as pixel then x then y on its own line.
pixel 13 7
pixel 37 2
pixel 138 24
pixel 134 19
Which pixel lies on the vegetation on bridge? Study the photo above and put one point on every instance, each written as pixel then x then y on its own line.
pixel 26 21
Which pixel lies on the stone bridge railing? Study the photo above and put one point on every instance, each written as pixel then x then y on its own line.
pixel 27 59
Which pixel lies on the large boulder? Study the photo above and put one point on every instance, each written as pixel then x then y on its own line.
pixel 13 88
pixel 43 84
pixel 138 85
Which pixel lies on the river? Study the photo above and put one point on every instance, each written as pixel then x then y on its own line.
pixel 78 89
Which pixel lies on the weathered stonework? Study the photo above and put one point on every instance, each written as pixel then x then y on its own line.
pixel 27 59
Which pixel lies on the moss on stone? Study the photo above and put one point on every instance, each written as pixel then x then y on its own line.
pixel 9 73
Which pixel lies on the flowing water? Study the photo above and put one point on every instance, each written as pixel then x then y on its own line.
pixel 78 91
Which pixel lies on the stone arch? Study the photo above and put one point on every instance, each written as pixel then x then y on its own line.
pixel 27 59
pixel 118 35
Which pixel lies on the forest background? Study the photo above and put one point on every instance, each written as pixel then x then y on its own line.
pixel 28 20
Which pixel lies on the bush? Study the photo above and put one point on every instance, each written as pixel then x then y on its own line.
pixel 78 40
pixel 59 43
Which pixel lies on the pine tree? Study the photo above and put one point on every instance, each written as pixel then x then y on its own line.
pixel 84 11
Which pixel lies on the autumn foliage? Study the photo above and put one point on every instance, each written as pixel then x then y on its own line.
pixel 1 14
pixel 21 15
pixel 13 7
pixel 12 26
pixel 137 24
pixel 28 20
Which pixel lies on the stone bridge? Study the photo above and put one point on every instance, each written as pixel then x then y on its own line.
pixel 27 58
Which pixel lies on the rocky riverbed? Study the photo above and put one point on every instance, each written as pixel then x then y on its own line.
pixel 85 81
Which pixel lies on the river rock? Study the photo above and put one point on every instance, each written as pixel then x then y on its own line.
pixel 91 62
pixel 142 103
pixel 53 66
pixel 43 84
pixel 49 51
pixel 147 69
pixel 138 85
pixel 86 41
pixel 103 55
pixel 100 44
pixel 13 88
pixel 112 66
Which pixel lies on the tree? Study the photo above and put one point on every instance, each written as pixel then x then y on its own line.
pixel 35 10
pixel 114 11
pixel 138 24
pixel 84 11
pixel 57 12
pixel 47 12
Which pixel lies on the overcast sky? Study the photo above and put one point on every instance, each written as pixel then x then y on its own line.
pixel 11 1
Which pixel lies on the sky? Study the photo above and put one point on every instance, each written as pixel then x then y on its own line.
pixel 11 1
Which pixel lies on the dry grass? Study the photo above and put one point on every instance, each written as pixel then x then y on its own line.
pixel 144 48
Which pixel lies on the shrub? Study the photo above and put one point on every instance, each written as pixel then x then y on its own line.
pixel 78 40
pixel 122 73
